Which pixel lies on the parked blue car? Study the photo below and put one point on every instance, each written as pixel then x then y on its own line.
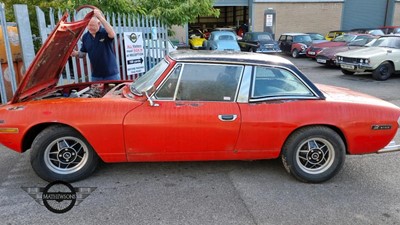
pixel 221 40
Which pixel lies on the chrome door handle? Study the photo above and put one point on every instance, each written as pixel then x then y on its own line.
pixel 227 117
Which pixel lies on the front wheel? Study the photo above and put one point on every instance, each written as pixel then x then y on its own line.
pixel 383 72
pixel 313 154
pixel 295 53
pixel 61 153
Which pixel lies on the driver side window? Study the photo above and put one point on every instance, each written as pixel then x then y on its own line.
pixel 219 83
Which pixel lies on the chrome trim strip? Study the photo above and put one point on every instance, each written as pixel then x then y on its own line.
pixel 391 147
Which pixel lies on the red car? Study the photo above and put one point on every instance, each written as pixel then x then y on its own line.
pixel 342 40
pixel 192 106
pixel 327 56
pixel 295 44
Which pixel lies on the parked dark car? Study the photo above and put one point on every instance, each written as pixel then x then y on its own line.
pixel 372 31
pixel 390 29
pixel 259 42
pixel 295 44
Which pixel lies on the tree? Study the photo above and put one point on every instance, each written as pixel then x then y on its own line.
pixel 178 12
pixel 172 12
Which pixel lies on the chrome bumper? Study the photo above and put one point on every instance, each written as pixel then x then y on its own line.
pixel 391 147
pixel 358 67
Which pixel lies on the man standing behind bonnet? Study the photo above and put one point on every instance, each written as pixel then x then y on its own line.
pixel 98 43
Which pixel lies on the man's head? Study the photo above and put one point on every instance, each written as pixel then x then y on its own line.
pixel 94 25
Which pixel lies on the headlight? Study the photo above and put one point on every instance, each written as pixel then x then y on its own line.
pixel 366 61
pixel 361 61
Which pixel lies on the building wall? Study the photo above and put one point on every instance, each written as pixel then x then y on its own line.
pixel 396 16
pixel 300 17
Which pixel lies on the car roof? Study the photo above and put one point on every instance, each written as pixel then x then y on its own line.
pixel 338 31
pixel 293 34
pixel 258 32
pixel 222 32
pixel 390 35
pixel 228 57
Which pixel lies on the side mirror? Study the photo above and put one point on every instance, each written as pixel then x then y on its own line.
pixel 147 93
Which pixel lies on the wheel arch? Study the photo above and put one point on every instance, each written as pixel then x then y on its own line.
pixel 392 63
pixel 334 128
pixel 33 132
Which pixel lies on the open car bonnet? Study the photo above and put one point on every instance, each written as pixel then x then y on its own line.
pixel 45 69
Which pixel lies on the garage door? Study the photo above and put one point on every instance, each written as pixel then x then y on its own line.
pixel 367 13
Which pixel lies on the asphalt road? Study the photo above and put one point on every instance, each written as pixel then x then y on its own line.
pixel 366 191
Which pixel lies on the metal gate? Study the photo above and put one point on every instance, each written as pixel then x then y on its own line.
pixel 76 70
pixel 367 13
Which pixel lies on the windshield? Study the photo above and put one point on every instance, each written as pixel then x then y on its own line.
pixel 344 38
pixel 359 42
pixel 263 37
pixel 146 81
pixel 317 37
pixel 389 42
pixel 376 32
pixel 302 38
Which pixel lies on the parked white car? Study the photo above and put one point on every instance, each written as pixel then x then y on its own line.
pixel 382 58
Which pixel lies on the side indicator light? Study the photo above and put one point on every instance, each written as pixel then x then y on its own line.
pixel 9 130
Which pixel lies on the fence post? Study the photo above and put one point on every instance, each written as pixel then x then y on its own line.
pixel 6 39
pixel 42 24
pixel 25 34
pixel 3 93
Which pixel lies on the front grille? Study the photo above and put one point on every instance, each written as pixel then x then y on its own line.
pixel 349 60
pixel 322 57
pixel 314 49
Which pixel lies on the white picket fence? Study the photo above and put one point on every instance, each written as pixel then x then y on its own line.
pixel 76 70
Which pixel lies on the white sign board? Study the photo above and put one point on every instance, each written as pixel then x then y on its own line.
pixel 134 53
pixel 269 20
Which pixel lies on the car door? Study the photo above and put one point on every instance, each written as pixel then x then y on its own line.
pixel 194 116
pixel 244 43
pixel 268 117
pixel 282 40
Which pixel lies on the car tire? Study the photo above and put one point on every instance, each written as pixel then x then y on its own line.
pixel 383 72
pixel 61 153
pixel 347 72
pixel 295 53
pixel 313 154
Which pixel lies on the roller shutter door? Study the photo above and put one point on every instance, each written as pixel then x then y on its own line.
pixel 367 13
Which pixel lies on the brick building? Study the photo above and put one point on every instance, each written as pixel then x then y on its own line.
pixel 299 15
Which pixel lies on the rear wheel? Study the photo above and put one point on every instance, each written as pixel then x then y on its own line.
pixel 347 72
pixel 61 153
pixel 313 154
pixel 295 53
pixel 383 72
